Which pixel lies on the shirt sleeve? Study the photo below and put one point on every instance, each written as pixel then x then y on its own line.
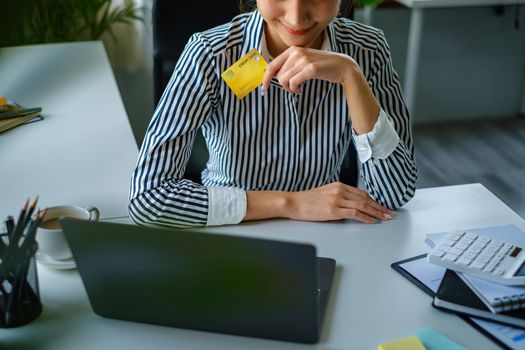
pixel 159 196
pixel 378 143
pixel 389 173
pixel 227 205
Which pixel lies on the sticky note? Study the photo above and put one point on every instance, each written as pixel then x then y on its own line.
pixel 245 74
pixel 408 343
pixel 433 340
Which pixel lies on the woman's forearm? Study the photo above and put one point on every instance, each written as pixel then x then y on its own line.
pixel 362 105
pixel 334 201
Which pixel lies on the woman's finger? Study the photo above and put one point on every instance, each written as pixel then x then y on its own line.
pixel 273 68
pixel 286 75
pixel 364 196
pixel 366 208
pixel 357 215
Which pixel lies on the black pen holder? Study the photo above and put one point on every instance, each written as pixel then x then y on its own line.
pixel 19 292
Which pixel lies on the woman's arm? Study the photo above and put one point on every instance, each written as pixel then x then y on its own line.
pixel 335 201
pixel 158 194
pixel 389 172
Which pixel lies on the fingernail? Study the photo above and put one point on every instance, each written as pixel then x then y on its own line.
pixel 262 91
pixel 387 216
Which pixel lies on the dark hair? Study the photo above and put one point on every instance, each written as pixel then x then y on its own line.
pixel 345 8
pixel 247 5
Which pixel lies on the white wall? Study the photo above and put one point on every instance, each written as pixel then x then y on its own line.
pixel 472 61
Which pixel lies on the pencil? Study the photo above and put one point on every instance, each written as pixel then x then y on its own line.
pixel 29 238
pixel 10 225
pixel 19 229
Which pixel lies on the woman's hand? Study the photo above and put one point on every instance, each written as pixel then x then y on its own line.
pixel 298 64
pixel 335 201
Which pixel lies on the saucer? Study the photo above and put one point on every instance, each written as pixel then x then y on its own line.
pixel 45 260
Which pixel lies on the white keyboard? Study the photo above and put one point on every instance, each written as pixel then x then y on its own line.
pixel 480 256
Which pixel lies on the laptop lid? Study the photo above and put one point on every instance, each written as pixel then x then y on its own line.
pixel 204 281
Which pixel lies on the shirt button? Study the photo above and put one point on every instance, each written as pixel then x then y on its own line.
pixel 376 161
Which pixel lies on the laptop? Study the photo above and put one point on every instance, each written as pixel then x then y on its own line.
pixel 203 281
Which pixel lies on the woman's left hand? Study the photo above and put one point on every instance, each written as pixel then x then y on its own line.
pixel 298 64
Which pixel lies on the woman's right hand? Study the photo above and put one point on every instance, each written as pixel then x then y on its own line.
pixel 335 201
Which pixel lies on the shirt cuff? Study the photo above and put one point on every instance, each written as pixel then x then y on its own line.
pixel 226 205
pixel 378 143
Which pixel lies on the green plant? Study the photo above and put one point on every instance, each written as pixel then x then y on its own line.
pixel 44 21
pixel 372 3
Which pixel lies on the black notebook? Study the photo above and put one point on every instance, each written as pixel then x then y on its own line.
pixel 455 296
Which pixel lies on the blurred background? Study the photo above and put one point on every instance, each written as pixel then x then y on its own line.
pixel 468 102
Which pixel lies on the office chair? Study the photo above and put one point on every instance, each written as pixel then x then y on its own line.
pixel 173 24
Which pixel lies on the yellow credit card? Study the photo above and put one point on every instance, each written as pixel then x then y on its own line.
pixel 246 74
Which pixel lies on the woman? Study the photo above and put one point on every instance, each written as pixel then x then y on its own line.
pixel 278 152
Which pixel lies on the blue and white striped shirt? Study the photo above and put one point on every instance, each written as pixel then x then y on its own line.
pixel 280 141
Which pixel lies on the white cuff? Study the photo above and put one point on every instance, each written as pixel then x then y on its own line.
pixel 378 143
pixel 226 205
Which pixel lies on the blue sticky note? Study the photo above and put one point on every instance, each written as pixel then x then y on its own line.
pixel 433 340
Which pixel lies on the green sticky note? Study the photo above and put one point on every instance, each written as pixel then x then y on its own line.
pixel 433 340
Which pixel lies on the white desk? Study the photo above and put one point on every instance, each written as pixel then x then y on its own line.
pixel 83 152
pixel 370 303
pixel 416 27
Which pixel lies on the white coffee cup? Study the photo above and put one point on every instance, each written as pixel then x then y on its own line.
pixel 50 238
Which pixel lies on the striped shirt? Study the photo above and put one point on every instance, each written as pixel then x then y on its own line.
pixel 281 141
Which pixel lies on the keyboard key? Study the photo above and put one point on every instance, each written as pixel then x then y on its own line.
pixel 499 271
pixel 475 249
pixel 462 245
pixel 453 250
pixel 470 235
pixel 470 255
pixel 449 242
pixel 498 243
pixel 450 257
pixel 464 261
pixel 468 240
pixel 489 268
pixel 499 256
pixel 483 259
pixel 478 265
pixel 487 254
pixel 454 236
pixel 438 253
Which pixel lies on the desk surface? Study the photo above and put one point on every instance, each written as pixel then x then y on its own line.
pixel 83 152
pixel 457 3
pixel 370 303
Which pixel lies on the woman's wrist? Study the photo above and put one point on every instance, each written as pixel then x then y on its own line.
pixel 352 75
pixel 362 104
pixel 268 204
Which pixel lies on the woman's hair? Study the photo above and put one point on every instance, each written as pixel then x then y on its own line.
pixel 250 5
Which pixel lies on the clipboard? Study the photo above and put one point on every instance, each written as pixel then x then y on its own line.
pixel 425 288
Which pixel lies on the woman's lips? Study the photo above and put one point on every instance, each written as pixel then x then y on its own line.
pixel 296 32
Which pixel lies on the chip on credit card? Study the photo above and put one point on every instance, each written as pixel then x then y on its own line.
pixel 245 74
